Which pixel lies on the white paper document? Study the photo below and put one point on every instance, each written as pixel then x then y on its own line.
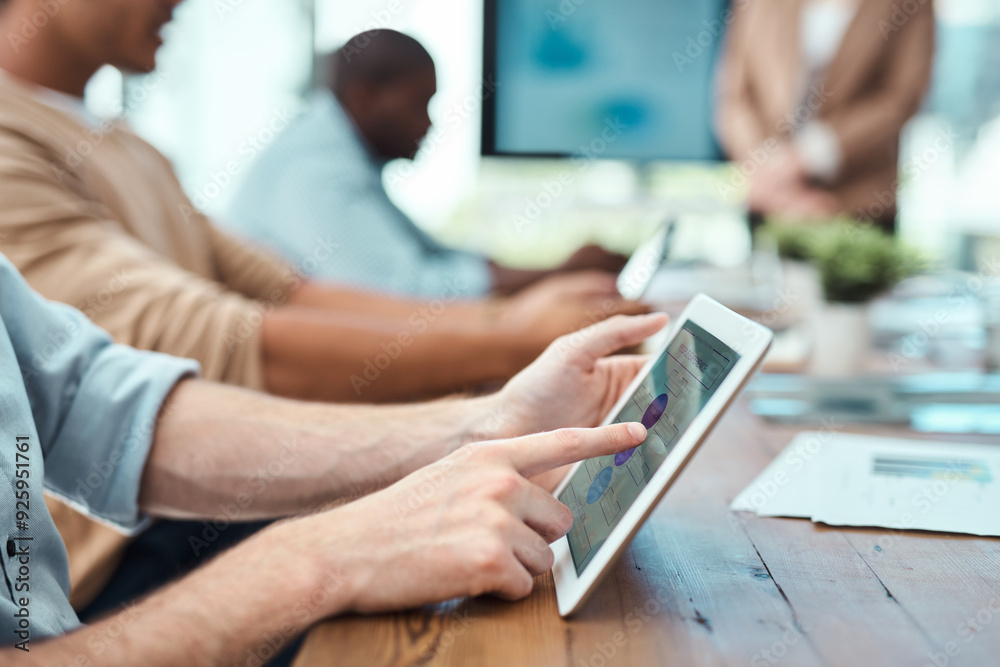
pixel 856 480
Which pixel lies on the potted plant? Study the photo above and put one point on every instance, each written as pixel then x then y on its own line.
pixel 855 264
pixel 792 241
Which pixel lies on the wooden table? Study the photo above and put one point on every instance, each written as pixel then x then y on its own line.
pixel 703 586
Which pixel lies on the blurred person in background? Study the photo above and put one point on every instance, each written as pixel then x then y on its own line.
pixel 93 216
pixel 813 97
pixel 322 176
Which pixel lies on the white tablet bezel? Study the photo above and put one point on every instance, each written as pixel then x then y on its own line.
pixel 648 257
pixel 748 339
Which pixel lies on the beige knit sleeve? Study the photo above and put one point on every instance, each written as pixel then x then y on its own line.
pixel 70 248
pixel 251 270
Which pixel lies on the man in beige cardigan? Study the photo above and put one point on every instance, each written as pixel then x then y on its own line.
pixel 93 216
pixel 814 95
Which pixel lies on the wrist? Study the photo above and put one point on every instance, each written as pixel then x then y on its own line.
pixel 494 419
pixel 317 579
pixel 510 342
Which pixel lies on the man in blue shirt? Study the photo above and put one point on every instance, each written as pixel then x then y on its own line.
pixel 322 178
pixel 126 435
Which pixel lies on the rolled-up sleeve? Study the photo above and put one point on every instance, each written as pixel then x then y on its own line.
pixel 95 404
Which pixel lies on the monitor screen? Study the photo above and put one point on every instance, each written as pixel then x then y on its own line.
pixel 629 79
pixel 686 375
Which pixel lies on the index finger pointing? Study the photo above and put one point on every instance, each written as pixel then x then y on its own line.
pixel 537 453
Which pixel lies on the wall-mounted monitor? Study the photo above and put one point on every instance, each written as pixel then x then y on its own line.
pixel 625 79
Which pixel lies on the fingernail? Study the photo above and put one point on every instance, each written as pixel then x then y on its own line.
pixel 637 430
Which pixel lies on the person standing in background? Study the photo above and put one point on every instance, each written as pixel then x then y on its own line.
pixel 815 94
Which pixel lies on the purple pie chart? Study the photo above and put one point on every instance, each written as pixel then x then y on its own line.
pixel 599 485
pixel 653 414
pixel 622 457
pixel 654 411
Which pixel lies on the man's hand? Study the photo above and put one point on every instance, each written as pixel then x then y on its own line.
pixel 467 525
pixel 562 304
pixel 781 188
pixel 594 258
pixel 574 382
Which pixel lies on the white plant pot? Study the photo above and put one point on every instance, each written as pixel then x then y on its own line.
pixel 841 340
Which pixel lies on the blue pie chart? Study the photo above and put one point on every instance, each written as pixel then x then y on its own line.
pixel 599 486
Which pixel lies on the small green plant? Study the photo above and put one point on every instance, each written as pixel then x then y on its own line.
pixel 792 241
pixel 856 263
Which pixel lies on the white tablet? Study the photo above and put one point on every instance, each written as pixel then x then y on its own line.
pixel 690 381
pixel 638 272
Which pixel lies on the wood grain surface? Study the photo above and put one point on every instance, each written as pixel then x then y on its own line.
pixel 701 585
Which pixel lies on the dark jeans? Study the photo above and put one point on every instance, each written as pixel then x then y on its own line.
pixel 162 554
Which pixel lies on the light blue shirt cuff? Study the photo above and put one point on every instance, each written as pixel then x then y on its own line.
pixel 115 413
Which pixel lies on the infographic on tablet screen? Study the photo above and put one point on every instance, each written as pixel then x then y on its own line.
pixel 682 380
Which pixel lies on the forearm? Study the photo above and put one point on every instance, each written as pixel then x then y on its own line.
pixel 738 122
pixel 223 451
pixel 212 617
pixel 318 355
pixel 345 300
pixel 507 280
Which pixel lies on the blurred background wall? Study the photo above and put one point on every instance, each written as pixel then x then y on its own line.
pixel 232 71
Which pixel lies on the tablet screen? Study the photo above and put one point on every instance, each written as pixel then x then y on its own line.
pixel 666 402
